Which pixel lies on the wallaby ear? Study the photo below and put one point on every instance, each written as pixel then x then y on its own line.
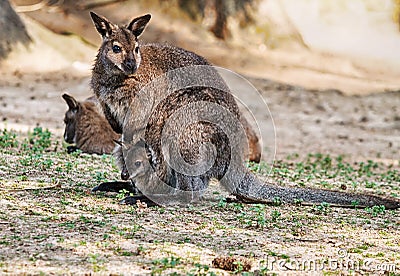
pixel 120 143
pixel 138 24
pixel 103 26
pixel 71 102
pixel 142 141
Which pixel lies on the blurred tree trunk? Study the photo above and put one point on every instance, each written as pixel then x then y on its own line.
pixel 220 28
pixel 223 10
pixel 195 9
pixel 12 29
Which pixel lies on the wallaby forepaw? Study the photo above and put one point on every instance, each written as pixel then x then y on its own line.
pixel 71 149
pixel 115 186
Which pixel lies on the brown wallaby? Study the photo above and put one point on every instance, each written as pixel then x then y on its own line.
pixel 87 128
pixel 123 67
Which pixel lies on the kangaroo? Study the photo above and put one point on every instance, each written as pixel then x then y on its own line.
pixel 123 67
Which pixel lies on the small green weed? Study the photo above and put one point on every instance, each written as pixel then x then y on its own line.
pixel 200 270
pixel 376 210
pixel 323 208
pixel 8 139
pixel 163 264
pixel 123 193
pixel 39 140
pixel 97 262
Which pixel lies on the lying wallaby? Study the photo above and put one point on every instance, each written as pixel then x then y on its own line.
pixel 87 128
pixel 123 68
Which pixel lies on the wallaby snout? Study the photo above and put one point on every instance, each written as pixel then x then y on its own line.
pixel 69 134
pixel 129 66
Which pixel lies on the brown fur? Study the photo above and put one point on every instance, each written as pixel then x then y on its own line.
pixel 116 80
pixel 87 128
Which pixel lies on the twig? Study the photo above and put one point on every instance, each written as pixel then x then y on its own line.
pixel 57 185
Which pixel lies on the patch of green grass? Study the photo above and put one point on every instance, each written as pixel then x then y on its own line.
pixel 332 173
pixel 322 208
pixel 163 264
pixel 376 210
pixel 8 139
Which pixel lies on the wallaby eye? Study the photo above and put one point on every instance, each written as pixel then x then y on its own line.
pixel 116 49
pixel 137 50
pixel 138 163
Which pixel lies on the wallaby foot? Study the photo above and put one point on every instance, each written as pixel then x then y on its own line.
pixel 116 186
pixel 71 149
pixel 132 200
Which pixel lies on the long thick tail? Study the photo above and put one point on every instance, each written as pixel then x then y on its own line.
pixel 252 189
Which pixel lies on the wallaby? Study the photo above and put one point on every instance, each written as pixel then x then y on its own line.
pixel 87 128
pixel 123 67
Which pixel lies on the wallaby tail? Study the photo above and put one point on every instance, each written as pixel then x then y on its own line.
pixel 253 190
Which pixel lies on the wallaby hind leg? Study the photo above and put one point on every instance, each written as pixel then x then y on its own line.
pixel 132 200
pixel 116 186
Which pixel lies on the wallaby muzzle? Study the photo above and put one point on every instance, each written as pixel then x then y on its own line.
pixel 129 66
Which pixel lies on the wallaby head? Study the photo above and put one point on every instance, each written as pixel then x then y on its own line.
pixel 138 157
pixel 120 47
pixel 70 118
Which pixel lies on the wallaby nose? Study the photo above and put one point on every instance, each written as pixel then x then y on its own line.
pixel 68 138
pixel 130 66
pixel 124 175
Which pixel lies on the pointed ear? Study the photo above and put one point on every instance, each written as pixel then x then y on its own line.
pixel 71 102
pixel 120 143
pixel 138 24
pixel 103 26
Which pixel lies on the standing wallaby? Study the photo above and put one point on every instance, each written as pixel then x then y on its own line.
pixel 124 67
